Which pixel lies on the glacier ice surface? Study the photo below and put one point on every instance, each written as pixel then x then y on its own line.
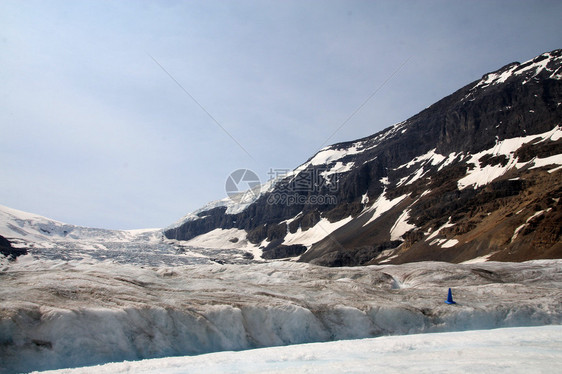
pixel 57 314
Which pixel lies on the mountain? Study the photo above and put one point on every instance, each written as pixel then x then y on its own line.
pixel 475 176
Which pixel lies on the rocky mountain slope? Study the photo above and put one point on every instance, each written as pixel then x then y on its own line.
pixel 475 176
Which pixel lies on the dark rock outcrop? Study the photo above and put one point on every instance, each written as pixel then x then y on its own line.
pixel 7 250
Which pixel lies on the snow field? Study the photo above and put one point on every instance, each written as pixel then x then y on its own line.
pixel 513 350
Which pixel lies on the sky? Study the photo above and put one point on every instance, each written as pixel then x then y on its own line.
pixel 130 114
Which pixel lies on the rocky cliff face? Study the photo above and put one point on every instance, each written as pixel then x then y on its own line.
pixel 7 250
pixel 475 175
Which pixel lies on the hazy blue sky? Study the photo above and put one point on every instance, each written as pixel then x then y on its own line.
pixel 94 132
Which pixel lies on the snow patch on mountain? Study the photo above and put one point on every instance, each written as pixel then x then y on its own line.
pixel 327 156
pixel 436 232
pixel 381 206
pixel 532 217
pixel 555 169
pixel 547 161
pixel 430 157
pixel 399 128
pixel 365 199
pixel 316 233
pixel 224 239
pixel 536 64
pixel 481 175
pixel 338 168
pixel 412 177
pixel 449 243
pixel 421 163
pixel 401 226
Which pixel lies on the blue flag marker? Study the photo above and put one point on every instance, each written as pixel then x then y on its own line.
pixel 450 298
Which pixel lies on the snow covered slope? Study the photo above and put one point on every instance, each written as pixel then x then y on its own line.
pixel 56 314
pixel 510 350
pixel 16 224
pixel 476 175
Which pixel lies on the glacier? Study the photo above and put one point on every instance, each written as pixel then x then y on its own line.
pixel 58 314
pixel 514 350
pixel 48 239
